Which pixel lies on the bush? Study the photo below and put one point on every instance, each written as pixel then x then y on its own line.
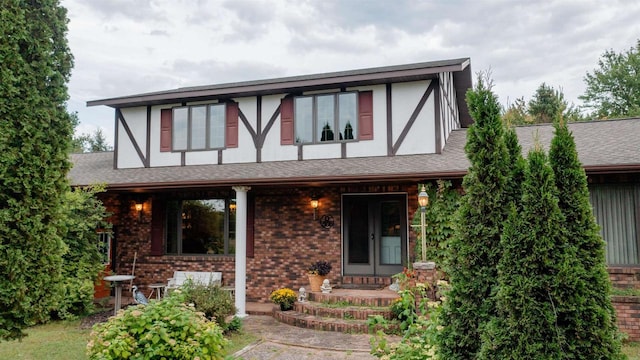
pixel 321 268
pixel 166 329
pixel 284 297
pixel 212 300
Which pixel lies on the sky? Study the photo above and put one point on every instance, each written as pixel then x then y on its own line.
pixel 125 47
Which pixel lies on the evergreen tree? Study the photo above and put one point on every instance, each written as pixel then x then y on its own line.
pixel 594 332
pixel 536 274
pixel 474 249
pixel 513 191
pixel 35 137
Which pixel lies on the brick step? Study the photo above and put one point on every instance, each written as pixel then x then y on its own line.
pixel 365 282
pixel 307 321
pixel 371 298
pixel 341 312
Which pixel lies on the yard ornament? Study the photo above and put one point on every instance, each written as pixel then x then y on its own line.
pixel 139 297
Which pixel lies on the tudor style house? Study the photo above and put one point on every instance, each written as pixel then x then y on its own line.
pixel 259 179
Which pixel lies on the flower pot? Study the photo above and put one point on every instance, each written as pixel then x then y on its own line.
pixel 286 307
pixel 315 282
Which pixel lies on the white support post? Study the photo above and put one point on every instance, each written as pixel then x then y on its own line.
pixel 241 249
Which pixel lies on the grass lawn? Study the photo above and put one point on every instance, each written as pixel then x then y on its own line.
pixel 66 341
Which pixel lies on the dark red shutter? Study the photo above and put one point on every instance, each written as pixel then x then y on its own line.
pixel 365 115
pixel 231 137
pixel 157 226
pixel 165 129
pixel 251 213
pixel 286 121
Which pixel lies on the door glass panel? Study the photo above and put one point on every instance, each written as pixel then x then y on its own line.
pixel 358 213
pixel 390 239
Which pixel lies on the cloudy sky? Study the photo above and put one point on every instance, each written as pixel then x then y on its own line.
pixel 124 47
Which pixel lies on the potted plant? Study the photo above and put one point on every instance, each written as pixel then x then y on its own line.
pixel 284 297
pixel 317 273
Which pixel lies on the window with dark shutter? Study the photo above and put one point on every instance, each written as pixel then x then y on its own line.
pixel 286 121
pixel 232 125
pixel 165 130
pixel 365 115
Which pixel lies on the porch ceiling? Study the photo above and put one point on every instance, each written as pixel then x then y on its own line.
pixel 603 146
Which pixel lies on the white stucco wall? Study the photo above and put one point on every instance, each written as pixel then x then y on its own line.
pixel 136 119
pixel 271 149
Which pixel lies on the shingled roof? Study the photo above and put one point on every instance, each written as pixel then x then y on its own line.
pixel 603 147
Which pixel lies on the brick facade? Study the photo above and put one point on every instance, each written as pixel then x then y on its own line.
pixel 286 238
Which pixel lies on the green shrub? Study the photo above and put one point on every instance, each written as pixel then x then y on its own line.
pixel 166 329
pixel 212 300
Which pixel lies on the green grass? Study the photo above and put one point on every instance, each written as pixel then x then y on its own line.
pixel 57 340
pixel 632 350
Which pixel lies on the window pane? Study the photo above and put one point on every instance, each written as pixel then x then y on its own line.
pixel 180 128
pixel 303 119
pixel 203 226
pixel 216 125
pixel 325 117
pixel 347 116
pixel 198 127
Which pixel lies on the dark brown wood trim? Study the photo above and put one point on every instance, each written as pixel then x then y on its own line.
pixel 452 111
pixel 389 121
pixel 183 158
pixel 272 120
pixel 220 157
pixel 258 139
pixel 438 117
pixel 130 135
pixel 148 160
pixel 343 150
pixel 245 121
pixel 414 116
pixel 300 153
pixel 116 149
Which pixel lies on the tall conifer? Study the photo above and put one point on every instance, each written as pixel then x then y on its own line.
pixel 473 252
pixel 35 135
pixel 535 274
pixel 592 333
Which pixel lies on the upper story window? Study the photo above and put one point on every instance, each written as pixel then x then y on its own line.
pixel 198 127
pixel 326 118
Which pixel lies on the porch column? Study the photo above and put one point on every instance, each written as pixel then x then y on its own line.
pixel 241 249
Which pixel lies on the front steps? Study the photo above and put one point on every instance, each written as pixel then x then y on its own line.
pixel 365 282
pixel 343 310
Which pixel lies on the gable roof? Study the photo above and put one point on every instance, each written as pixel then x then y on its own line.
pixel 461 69
pixel 603 147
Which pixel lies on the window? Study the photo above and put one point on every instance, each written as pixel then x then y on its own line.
pixel 326 118
pixel 198 127
pixel 104 246
pixel 616 208
pixel 202 226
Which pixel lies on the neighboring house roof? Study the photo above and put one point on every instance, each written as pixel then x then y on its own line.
pixel 461 69
pixel 603 147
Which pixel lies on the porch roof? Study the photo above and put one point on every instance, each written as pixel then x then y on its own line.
pixel 603 147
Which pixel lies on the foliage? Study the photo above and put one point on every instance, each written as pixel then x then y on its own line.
pixel 321 268
pixel 215 302
pixel 444 202
pixel 84 213
pixel 35 135
pixel 474 251
pixel 166 329
pixel 536 275
pixel 284 297
pixel 613 88
pixel 593 331
pixel 95 142
pixel 418 321
pixel 545 104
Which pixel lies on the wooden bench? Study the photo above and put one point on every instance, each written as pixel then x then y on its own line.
pixel 198 277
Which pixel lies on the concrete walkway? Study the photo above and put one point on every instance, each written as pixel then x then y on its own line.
pixel 280 341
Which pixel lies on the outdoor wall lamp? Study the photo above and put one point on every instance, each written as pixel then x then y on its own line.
pixel 423 201
pixel 138 207
pixel 314 204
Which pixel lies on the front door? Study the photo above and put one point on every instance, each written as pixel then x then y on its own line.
pixel 374 234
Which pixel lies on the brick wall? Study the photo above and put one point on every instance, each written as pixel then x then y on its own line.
pixel 628 313
pixel 625 277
